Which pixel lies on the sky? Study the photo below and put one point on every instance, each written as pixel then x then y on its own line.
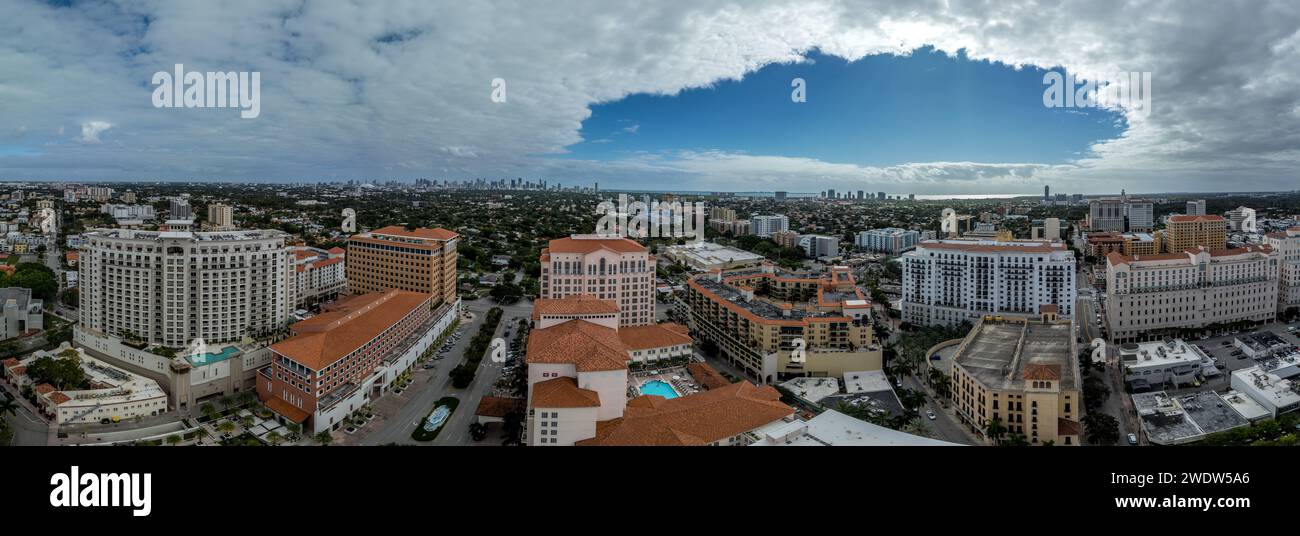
pixel 929 97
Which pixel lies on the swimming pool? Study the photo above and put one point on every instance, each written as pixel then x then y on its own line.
pixel 208 358
pixel 658 388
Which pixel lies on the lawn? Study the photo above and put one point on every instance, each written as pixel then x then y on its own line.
pixel 419 434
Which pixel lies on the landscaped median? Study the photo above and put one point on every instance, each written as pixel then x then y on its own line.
pixel 423 431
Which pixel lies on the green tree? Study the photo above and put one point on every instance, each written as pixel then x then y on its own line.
pixel 324 438
pixel 1100 428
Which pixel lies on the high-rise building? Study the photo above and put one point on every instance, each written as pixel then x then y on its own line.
pixel 128 197
pixel 722 214
pixel 880 196
pixel 1184 232
pixel 181 209
pixel 862 194
pixel 1047 196
pixel 1021 372
pixel 410 259
pixel 221 217
pixel 615 269
pixel 1154 296
pixel 818 246
pixel 780 196
pixel 1242 219
pixel 947 282
pixel 1120 214
pixel 1287 246
pixel 764 226
pixel 1139 215
pixel 786 239
pixel 891 240
pixel 830 193
pixel 1196 207
pixel 99 194
pixel 170 288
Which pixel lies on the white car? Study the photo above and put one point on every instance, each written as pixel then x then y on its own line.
pixel 930 414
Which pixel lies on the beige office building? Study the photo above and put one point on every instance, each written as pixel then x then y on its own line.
pixel 1190 232
pixel 615 269
pixel 221 217
pixel 414 260
pixel 1166 295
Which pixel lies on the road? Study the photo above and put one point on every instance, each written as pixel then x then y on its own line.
pixel 428 386
pixel 29 429
pixel 945 425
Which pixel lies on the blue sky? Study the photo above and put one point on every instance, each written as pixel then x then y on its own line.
pixel 878 111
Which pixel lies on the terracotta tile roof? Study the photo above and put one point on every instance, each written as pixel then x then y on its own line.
pixel 498 406
pixel 563 392
pixel 1042 372
pixel 707 376
pixel 1067 427
pixel 697 419
pixel 437 233
pixel 289 411
pixel 587 346
pixel 351 323
pixel 44 388
pixel 588 245
pixel 1036 247
pixel 301 254
pixel 326 262
pixel 336 250
pixel 58 397
pixel 1116 258
pixel 18 371
pixel 654 336
pixel 72 256
pixel 577 304
pixel 1184 217
pixel 10 362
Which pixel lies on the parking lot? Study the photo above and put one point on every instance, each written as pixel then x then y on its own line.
pixel 1222 348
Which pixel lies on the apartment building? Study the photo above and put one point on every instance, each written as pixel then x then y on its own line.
pixel 1022 372
pixel 1196 207
pixel 891 240
pixel 818 246
pixel 1120 214
pixel 1153 296
pixel 221 217
pixel 1287 246
pixel 755 318
pixel 410 259
pixel 947 282
pixel 339 360
pixel 1184 232
pixel 173 287
pixel 318 275
pixel 764 226
pixel 786 239
pixel 616 269
pixel 1242 219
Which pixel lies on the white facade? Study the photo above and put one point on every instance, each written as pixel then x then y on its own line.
pixel 170 288
pixel 946 282
pixel 1190 290
pixel 1196 207
pixel 1287 246
pixel 318 275
pixel 1174 362
pixel 764 226
pixel 891 240
pixel 817 246
pixel 1276 394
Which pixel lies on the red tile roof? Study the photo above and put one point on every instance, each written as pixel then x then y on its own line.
pixel 587 346
pixel 654 336
pixel 1042 372
pixel 1184 217
pixel 289 411
pixel 697 419
pixel 577 304
pixel 44 388
pixel 709 377
pixel 351 323
pixel 437 233
pixel 497 406
pixel 58 397
pixel 588 245
pixel 563 392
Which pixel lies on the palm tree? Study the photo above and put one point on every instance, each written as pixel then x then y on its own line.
pixel 324 438
pixel 174 439
pixel 208 411
pixel 994 430
pixel 294 429
pixel 274 438
pixel 8 406
pixel 226 427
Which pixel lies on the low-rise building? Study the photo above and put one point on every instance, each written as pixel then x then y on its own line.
pixel 1177 420
pixel 111 394
pixel 834 429
pixel 1276 394
pixel 891 240
pixel 706 256
pixel 1155 364
pixel 21 313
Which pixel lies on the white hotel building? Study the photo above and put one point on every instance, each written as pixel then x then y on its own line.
pixel 170 288
pixel 1153 296
pixel 946 282
pixel 1287 246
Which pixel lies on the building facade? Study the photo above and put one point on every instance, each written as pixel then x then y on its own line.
pixel 318 275
pixel 947 282
pixel 1163 295
pixel 1287 246
pixel 891 240
pixel 414 260
pixel 170 288
pixel 616 269
pixel 764 226
pixel 1184 232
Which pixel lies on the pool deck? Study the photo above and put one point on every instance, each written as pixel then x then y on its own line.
pixel 684 386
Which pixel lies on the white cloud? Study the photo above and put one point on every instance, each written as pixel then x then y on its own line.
pixel 90 131
pixel 403 87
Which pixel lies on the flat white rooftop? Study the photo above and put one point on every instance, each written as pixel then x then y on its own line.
pixel 813 389
pixel 869 381
pixel 832 428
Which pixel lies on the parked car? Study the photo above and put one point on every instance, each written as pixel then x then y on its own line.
pixel 930 413
pixel 1132 439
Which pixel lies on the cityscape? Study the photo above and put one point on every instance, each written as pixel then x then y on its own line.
pixel 490 313
pixel 355 229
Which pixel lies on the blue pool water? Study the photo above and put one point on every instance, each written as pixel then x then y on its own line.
pixel 224 354
pixel 658 388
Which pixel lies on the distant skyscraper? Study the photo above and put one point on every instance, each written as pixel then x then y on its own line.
pixel 1196 207
pixel 1047 192
pixel 221 217
pixel 764 226
pixel 880 195
pixel 181 209
pixel 861 194
pixel 830 194
pixel 780 196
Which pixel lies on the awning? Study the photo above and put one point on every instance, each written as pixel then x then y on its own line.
pixel 287 410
